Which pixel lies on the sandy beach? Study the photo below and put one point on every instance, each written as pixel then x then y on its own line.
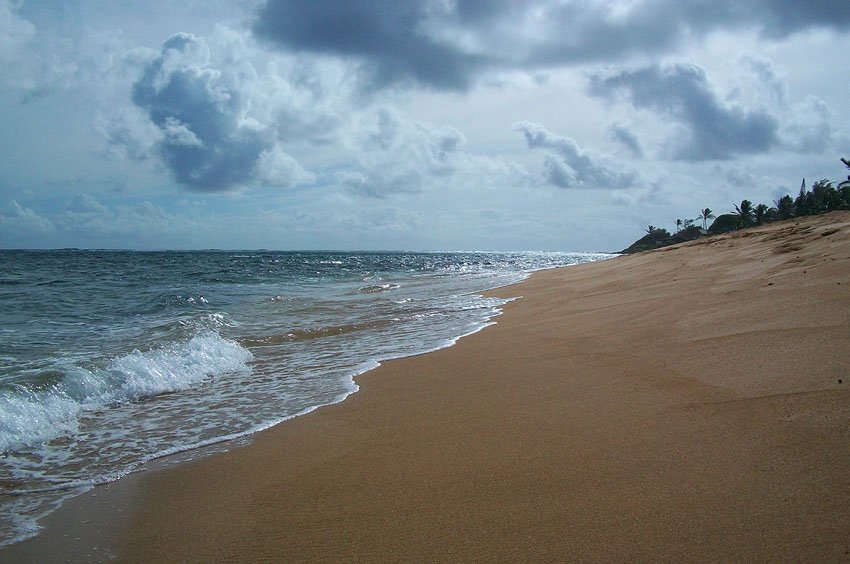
pixel 691 403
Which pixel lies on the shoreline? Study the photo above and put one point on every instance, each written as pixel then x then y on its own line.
pixel 25 528
pixel 89 543
pixel 212 447
pixel 681 404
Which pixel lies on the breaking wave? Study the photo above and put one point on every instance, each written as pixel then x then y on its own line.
pixel 31 416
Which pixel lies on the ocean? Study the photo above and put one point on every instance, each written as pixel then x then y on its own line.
pixel 112 359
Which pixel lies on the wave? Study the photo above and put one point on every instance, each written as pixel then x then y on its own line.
pixel 374 288
pixel 410 314
pixel 297 335
pixel 30 417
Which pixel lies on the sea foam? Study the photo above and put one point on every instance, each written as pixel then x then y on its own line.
pixel 31 417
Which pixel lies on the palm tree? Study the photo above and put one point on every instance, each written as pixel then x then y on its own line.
pixel 761 213
pixel 745 213
pixel 845 184
pixel 805 201
pixel 785 207
pixel 650 229
pixel 844 188
pixel 705 215
pixel 679 224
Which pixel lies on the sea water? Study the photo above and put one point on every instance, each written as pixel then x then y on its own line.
pixel 111 359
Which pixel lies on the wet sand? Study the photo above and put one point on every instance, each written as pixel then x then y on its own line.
pixel 691 403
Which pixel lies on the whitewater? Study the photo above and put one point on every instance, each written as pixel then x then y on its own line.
pixel 112 359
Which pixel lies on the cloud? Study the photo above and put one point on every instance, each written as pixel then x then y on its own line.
pixel 388 154
pixel 385 219
pixel 715 130
pixel 806 126
pixel 446 45
pixel 603 30
pixel 39 60
pixel 568 166
pixel 395 155
pixel 15 33
pixel 625 137
pixel 16 217
pixel 277 168
pixel 779 18
pixel 762 79
pixel 208 141
pixel 18 38
pixel 810 127
pixel 388 36
pixel 128 133
pixel 23 228
pixel 90 222
pixel 85 205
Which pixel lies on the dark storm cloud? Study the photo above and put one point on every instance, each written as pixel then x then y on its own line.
pixel 445 45
pixel 386 33
pixel 592 31
pixel 778 18
pixel 681 92
pixel 568 166
pixel 204 142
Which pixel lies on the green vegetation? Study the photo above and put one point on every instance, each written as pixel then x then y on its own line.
pixel 825 196
pixel 705 215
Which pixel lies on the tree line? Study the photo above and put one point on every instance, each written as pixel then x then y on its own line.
pixel 825 196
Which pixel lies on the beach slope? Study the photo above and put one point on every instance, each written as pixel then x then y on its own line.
pixel 691 403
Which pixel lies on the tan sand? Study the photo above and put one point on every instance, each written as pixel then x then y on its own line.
pixel 683 404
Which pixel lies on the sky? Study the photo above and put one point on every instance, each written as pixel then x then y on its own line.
pixel 564 125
